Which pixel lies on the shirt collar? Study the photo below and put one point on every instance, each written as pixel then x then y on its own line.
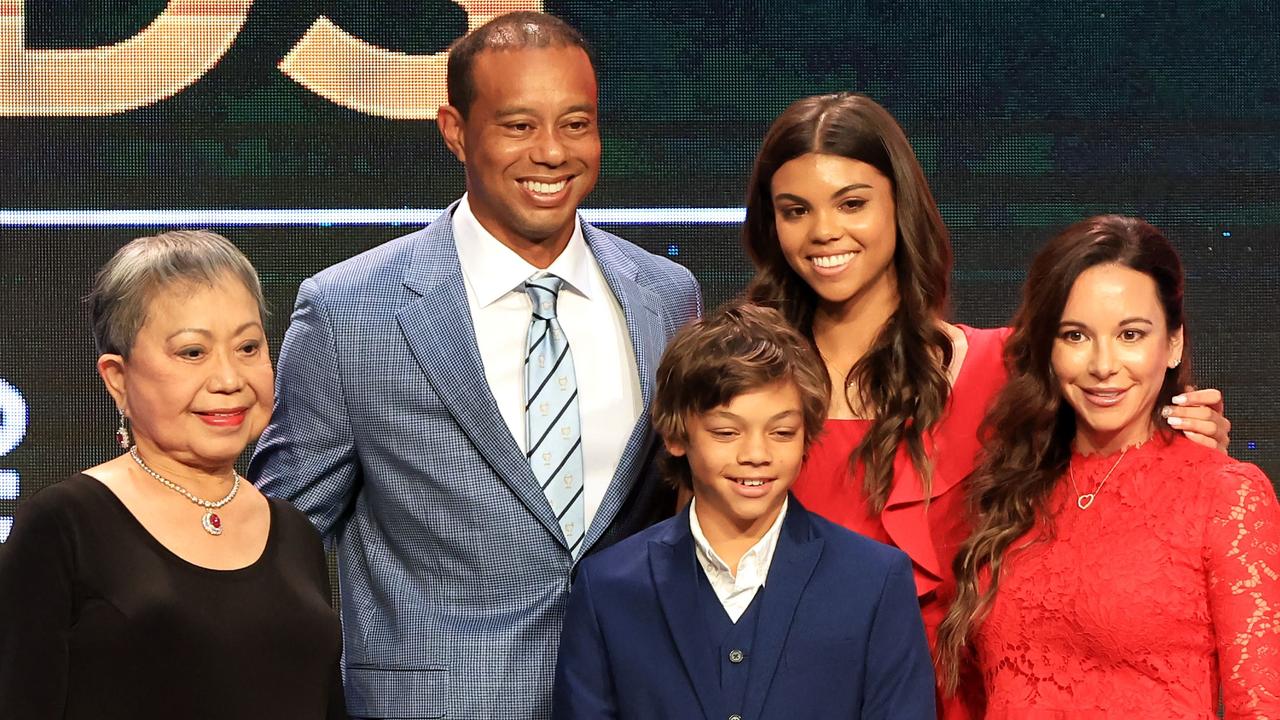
pixel 493 269
pixel 758 558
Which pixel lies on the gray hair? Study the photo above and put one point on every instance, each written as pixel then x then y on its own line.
pixel 125 286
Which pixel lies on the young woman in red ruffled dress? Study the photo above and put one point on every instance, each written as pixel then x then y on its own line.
pixel 1115 569
pixel 848 243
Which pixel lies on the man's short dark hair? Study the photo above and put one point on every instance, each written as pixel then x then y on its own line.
pixel 737 349
pixel 513 31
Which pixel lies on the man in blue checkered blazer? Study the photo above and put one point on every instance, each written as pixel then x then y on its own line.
pixel 400 418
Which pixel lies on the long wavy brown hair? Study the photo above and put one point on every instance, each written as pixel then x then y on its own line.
pixel 1028 432
pixel 902 379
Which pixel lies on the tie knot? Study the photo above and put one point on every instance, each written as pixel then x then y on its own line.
pixel 543 291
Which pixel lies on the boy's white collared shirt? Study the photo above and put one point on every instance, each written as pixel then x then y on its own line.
pixel 736 590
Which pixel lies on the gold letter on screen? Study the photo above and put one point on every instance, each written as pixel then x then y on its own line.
pixel 190 36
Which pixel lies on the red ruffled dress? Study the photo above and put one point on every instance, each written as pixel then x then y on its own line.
pixel 930 534
pixel 1166 588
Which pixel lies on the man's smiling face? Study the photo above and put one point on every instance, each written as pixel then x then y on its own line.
pixel 530 144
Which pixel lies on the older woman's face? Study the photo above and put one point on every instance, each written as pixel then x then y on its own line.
pixel 198 384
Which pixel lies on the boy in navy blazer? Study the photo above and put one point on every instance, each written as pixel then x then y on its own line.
pixel 744 606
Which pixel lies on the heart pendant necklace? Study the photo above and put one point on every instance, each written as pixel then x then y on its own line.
pixel 1083 501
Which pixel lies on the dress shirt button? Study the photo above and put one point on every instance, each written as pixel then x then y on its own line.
pixel 735 657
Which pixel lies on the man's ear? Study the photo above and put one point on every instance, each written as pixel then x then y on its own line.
pixel 451 124
pixel 111 370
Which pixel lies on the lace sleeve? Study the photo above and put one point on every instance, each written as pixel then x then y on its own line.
pixel 1242 553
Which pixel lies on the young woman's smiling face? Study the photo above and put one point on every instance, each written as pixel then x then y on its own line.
pixel 836 225
pixel 1111 354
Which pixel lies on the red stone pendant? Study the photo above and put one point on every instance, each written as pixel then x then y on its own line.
pixel 211 522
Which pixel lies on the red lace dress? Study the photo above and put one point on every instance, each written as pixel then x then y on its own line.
pixel 1167 586
pixel 929 535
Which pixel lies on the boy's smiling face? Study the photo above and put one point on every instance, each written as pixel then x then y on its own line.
pixel 744 456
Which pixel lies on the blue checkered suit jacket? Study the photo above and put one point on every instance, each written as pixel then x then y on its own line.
pixel 454 575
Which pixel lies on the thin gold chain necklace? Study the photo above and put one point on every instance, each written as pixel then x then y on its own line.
pixel 1083 501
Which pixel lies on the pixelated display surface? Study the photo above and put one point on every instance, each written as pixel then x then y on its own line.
pixel 1025 115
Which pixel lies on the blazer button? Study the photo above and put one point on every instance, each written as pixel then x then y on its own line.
pixel 735 716
pixel 735 657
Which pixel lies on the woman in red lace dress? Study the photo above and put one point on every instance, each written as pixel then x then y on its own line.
pixel 1115 568
pixel 848 244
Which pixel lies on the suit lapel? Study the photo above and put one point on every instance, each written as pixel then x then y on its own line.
pixel 439 331
pixel 675 567
pixel 793 563
pixel 641 308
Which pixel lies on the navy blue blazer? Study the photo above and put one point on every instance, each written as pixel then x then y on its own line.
pixel 453 571
pixel 839 634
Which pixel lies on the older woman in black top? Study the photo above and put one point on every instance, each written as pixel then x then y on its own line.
pixel 161 583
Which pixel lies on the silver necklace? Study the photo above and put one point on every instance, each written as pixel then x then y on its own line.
pixel 1084 501
pixel 210 521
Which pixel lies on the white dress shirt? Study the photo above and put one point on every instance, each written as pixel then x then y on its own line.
pixel 609 401
pixel 736 589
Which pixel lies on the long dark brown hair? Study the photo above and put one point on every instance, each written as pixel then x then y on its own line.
pixel 902 379
pixel 1029 430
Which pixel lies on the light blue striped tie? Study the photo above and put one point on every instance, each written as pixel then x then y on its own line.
pixel 552 426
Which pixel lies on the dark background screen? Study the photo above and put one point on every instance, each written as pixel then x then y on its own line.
pixel 1025 115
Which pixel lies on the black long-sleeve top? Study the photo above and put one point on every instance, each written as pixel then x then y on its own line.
pixel 98 620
